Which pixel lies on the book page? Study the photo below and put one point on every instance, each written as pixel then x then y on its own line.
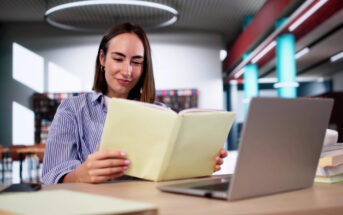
pixel 69 202
pixel 196 110
pixel 200 138
pixel 159 107
pixel 144 133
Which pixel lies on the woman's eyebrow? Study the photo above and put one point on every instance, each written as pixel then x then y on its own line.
pixel 138 57
pixel 123 55
pixel 118 53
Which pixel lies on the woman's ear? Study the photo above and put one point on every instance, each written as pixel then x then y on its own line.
pixel 102 58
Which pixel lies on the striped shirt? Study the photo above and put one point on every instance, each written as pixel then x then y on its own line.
pixel 74 134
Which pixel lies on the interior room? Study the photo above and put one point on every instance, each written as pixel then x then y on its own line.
pixel 206 54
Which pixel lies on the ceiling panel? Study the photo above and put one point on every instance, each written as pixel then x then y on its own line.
pixel 323 50
pixel 219 16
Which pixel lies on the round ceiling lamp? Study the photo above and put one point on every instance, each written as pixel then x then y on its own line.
pixel 98 15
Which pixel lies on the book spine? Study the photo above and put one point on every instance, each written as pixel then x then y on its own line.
pixel 325 161
pixel 331 161
pixel 330 171
pixel 170 149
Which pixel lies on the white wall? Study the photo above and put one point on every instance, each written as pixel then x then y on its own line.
pixel 189 61
pixel 74 55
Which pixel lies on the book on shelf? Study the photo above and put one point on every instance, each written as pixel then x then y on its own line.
pixel 329 179
pixel 162 144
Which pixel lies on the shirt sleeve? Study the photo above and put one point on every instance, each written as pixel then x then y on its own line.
pixel 62 149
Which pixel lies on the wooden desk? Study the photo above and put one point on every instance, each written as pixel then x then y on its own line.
pixel 319 199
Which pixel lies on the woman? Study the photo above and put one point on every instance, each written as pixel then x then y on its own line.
pixel 123 70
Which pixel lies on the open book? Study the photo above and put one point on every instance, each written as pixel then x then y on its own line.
pixel 162 144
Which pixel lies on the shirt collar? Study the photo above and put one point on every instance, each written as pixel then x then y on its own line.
pixel 97 98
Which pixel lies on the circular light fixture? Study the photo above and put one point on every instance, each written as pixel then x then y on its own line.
pixel 111 17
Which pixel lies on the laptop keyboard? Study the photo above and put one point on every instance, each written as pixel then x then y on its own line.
pixel 215 187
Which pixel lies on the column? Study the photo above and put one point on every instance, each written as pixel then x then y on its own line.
pixel 286 65
pixel 250 85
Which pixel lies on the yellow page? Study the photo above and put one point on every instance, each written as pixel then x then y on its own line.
pixel 200 138
pixel 69 202
pixel 143 131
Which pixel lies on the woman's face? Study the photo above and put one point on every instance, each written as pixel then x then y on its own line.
pixel 123 64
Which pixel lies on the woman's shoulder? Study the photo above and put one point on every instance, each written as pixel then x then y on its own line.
pixel 83 100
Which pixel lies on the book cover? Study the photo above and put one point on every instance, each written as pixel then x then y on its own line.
pixel 332 159
pixel 329 171
pixel 332 149
pixel 329 180
pixel 162 144
pixel 70 202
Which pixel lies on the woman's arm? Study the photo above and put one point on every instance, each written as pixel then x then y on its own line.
pixel 62 162
pixel 61 154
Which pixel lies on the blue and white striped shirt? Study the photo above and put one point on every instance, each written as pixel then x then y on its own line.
pixel 74 134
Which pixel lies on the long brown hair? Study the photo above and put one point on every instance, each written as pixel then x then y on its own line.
pixel 145 88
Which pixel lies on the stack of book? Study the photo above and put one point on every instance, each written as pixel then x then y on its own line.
pixel 330 166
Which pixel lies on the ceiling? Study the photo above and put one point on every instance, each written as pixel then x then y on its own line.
pixel 324 41
pixel 219 16
pixel 224 17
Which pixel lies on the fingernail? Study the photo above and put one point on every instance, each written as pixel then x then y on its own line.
pixel 126 161
pixel 122 153
pixel 125 167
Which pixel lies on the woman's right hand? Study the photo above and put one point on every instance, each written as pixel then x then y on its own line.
pixel 99 167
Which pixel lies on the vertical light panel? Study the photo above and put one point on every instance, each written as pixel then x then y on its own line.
pixel 250 84
pixel 286 66
pixel 60 80
pixel 23 125
pixel 28 68
pixel 234 107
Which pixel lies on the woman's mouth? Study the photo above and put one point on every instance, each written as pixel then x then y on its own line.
pixel 123 82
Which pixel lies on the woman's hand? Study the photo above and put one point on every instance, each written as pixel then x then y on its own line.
pixel 219 159
pixel 99 167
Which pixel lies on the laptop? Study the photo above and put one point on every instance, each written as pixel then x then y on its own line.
pixel 279 150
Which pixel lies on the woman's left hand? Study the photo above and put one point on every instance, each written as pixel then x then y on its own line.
pixel 219 159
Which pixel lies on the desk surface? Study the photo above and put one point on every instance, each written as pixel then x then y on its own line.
pixel 319 199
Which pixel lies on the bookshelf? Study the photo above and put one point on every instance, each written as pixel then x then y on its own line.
pixel 45 106
pixel 178 99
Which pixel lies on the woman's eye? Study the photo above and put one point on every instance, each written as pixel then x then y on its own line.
pixel 118 59
pixel 137 63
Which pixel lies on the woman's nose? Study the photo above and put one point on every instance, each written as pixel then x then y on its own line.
pixel 127 69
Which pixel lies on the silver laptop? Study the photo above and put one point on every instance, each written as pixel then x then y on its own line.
pixel 279 150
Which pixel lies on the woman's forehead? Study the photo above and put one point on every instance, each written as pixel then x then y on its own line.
pixel 126 43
